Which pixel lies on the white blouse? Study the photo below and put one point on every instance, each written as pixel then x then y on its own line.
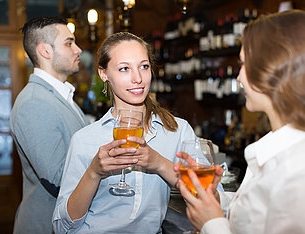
pixel 271 198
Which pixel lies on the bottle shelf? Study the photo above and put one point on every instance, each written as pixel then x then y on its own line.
pixel 233 101
pixel 225 52
pixel 213 3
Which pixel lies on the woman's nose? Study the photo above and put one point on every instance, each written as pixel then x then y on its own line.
pixel 238 75
pixel 237 78
pixel 136 77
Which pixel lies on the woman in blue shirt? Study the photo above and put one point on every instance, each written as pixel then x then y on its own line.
pixel 94 159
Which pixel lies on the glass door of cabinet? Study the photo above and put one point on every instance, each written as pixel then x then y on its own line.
pixel 4 12
pixel 13 78
pixel 12 15
pixel 6 142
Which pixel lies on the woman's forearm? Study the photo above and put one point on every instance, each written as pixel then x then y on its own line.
pixel 167 173
pixel 81 198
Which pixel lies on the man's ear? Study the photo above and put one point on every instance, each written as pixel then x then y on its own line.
pixel 45 50
pixel 102 74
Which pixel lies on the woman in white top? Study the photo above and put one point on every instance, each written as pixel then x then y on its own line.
pixel 271 197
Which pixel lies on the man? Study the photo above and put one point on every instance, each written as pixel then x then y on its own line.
pixel 44 118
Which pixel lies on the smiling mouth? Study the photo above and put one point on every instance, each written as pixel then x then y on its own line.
pixel 136 90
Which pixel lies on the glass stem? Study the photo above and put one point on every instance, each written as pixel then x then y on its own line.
pixel 122 180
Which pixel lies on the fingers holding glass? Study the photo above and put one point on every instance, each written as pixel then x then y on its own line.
pixel 127 123
pixel 197 155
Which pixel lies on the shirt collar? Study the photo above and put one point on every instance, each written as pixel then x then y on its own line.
pixel 156 119
pixel 63 88
pixel 273 143
pixel 108 117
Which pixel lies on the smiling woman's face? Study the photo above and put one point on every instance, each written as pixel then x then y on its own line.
pixel 129 73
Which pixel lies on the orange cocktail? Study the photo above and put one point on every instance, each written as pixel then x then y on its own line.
pixel 123 133
pixel 204 173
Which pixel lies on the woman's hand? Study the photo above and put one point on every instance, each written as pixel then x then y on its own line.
pixel 147 157
pixel 202 208
pixel 111 158
pixel 108 159
pixel 154 162
pixel 190 161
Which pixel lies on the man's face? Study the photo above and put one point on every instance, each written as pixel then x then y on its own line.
pixel 65 53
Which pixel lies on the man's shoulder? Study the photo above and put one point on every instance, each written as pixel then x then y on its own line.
pixel 89 129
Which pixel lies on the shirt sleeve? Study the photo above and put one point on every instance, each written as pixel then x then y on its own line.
pixel 216 226
pixel 73 171
pixel 225 199
pixel 62 223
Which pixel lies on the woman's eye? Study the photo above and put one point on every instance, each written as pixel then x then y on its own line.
pixel 123 69
pixel 145 66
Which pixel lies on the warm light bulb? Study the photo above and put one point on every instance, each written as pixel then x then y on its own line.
pixel 71 27
pixel 285 6
pixel 129 3
pixel 92 17
pixel 132 2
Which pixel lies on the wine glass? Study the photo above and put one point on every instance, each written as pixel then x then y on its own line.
pixel 127 123
pixel 201 161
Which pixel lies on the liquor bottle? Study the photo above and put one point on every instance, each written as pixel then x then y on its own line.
pixel 196 126
pixel 218 33
pixel 229 37
pixel 212 35
pixel 228 81
pixel 209 81
pixel 254 14
pixel 172 30
pixel 231 121
pixel 219 83
pixel 204 41
pixel 203 76
pixel 158 45
pixel 238 27
pixel 197 27
pixel 235 85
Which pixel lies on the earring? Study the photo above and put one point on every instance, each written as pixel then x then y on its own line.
pixel 105 88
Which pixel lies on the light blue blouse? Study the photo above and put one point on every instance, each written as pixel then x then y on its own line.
pixel 142 213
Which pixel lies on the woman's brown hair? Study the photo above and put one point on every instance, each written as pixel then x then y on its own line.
pixel 274 50
pixel 151 104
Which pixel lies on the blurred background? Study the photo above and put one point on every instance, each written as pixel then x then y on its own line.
pixel 196 45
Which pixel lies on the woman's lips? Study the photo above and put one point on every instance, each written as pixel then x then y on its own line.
pixel 136 90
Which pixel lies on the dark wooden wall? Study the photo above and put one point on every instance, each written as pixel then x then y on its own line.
pixel 152 15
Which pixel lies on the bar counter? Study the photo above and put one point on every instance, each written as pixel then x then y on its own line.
pixel 176 221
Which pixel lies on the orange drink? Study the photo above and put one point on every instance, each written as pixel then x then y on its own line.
pixel 123 133
pixel 204 173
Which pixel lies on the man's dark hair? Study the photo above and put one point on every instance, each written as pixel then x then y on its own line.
pixel 41 22
pixel 37 31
